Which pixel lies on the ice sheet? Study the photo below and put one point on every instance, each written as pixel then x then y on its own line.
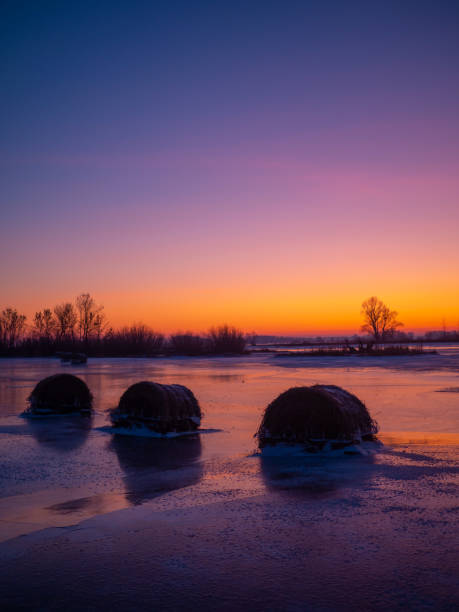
pixel 207 521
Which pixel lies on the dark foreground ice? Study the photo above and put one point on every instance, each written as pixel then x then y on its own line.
pixel 90 520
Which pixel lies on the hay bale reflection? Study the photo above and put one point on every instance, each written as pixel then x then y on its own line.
pixel 153 467
pixel 62 435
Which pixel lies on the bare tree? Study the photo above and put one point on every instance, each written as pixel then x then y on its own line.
pixel 12 325
pixel 100 324
pixel 90 317
pixel 379 320
pixel 66 320
pixel 44 324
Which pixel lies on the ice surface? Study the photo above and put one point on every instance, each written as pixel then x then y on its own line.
pixel 205 521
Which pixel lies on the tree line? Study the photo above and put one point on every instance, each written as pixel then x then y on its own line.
pixel 82 326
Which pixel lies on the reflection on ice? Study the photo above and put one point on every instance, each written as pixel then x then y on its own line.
pixel 154 466
pixel 314 475
pixel 61 434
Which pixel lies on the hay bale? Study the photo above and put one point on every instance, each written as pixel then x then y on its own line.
pixel 160 408
pixel 60 394
pixel 316 416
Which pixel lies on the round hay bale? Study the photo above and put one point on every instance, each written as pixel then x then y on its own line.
pixel 60 394
pixel 161 408
pixel 316 416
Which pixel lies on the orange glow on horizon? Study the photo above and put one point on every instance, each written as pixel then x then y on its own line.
pixel 285 312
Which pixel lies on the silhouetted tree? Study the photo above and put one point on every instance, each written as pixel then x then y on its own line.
pixel 66 320
pixel 90 317
pixel 12 325
pixel 100 324
pixel 44 324
pixel 379 320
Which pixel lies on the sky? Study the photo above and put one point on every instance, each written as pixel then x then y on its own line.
pixel 268 164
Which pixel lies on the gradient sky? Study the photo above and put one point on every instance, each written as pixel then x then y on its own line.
pixel 266 164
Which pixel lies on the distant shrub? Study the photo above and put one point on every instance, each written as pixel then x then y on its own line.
pixel 138 339
pixel 186 344
pixel 226 339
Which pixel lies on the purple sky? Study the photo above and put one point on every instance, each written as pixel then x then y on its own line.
pixel 270 164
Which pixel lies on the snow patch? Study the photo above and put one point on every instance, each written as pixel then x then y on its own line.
pixel 146 432
pixel 45 414
pixel 299 450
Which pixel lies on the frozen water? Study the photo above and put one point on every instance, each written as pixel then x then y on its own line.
pixel 208 522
